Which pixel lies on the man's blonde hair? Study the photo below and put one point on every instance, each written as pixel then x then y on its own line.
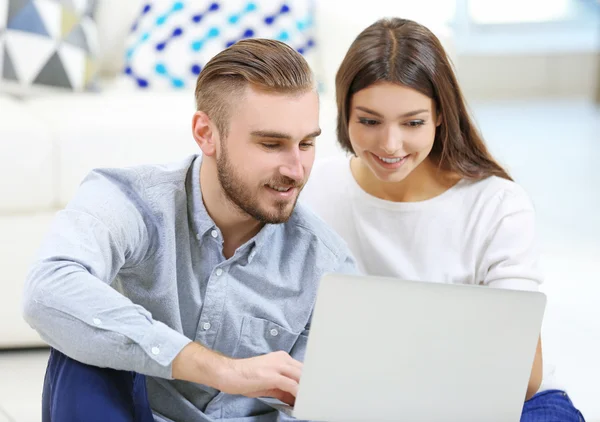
pixel 268 65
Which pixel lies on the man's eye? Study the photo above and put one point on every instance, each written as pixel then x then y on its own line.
pixel 270 146
pixel 307 145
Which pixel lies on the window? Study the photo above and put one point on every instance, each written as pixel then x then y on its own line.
pixel 484 12
pixel 526 26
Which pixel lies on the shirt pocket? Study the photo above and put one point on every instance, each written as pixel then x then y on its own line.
pixel 260 336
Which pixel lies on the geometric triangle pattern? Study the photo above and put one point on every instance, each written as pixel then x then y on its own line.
pixel 53 73
pixel 172 40
pixel 51 11
pixel 3 16
pixel 14 7
pixel 76 69
pixel 69 20
pixel 77 38
pixel 27 19
pixel 48 43
pixel 8 69
pixel 39 50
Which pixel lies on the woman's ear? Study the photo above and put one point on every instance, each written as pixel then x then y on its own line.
pixel 439 118
pixel 204 134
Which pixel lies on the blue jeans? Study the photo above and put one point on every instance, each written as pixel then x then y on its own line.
pixel 75 392
pixel 551 406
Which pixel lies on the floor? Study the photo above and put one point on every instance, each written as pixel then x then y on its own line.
pixel 21 377
pixel 552 149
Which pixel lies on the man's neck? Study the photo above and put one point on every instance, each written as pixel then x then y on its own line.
pixel 235 226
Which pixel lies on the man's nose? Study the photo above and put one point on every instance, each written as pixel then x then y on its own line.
pixel 292 167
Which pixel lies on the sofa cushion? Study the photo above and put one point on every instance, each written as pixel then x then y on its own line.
pixel 113 129
pixel 27 171
pixel 172 40
pixel 123 128
pixel 47 44
pixel 21 237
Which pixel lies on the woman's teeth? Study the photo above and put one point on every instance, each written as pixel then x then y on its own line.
pixel 390 160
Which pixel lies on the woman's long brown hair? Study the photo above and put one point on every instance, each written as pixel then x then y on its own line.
pixel 404 52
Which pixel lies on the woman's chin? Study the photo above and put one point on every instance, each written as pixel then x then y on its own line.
pixel 387 173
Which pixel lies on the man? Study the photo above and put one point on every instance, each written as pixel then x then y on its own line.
pixel 201 275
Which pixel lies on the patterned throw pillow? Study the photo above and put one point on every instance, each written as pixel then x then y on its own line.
pixel 47 44
pixel 172 40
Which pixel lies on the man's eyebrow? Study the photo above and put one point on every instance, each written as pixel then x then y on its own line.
pixel 270 134
pixel 280 135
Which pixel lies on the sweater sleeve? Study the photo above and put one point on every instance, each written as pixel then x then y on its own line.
pixel 510 254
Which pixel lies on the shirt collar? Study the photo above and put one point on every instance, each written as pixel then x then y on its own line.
pixel 202 222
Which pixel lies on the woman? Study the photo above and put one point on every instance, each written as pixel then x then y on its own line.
pixel 421 198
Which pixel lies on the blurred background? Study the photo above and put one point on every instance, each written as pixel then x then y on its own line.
pixel 86 84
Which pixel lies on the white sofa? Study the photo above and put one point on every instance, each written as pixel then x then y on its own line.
pixel 48 143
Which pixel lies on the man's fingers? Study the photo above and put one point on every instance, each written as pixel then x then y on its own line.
pixel 296 364
pixel 292 372
pixel 286 384
pixel 273 372
pixel 277 394
pixel 287 398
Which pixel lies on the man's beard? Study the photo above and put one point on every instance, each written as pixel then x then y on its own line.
pixel 244 197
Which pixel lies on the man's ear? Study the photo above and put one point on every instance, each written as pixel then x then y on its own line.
pixel 204 133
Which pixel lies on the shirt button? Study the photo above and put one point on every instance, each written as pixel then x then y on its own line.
pixel 252 255
pixel 219 272
pixel 155 350
pixel 214 233
pixel 274 332
pixel 206 326
pixel 198 236
pixel 97 321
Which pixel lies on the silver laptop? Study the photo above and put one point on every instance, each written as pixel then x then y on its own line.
pixel 383 349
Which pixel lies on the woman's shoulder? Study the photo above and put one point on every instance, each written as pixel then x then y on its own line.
pixel 329 179
pixel 334 165
pixel 496 194
pixel 329 172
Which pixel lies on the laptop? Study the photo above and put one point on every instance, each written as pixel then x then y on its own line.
pixel 384 349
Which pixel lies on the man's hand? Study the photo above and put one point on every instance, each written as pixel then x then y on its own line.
pixel 275 374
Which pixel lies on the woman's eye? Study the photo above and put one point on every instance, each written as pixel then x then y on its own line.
pixel 368 122
pixel 416 123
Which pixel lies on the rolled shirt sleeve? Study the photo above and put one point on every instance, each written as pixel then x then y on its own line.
pixel 69 295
